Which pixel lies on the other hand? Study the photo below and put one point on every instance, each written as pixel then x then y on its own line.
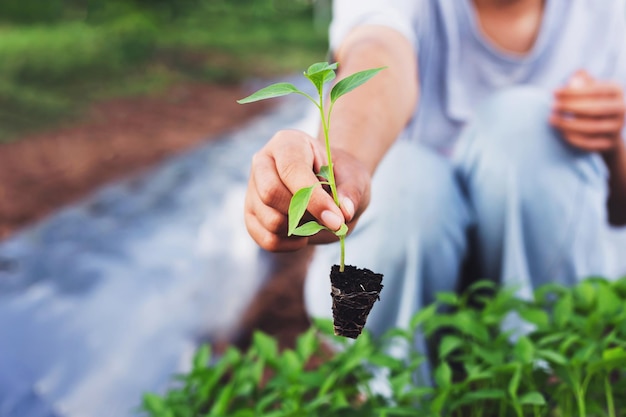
pixel 589 113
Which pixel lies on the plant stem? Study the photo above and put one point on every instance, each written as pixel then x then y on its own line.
pixel 342 258
pixel 609 396
pixel 331 171
pixel 331 174
pixel 580 402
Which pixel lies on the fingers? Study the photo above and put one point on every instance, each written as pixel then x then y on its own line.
pixel 265 224
pixel 589 113
pixel 587 126
pixel 591 89
pixel 590 144
pixel 353 186
pixel 294 165
pixel 282 167
pixel 578 106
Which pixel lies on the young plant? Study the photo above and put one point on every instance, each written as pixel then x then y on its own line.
pixel 354 291
pixel 572 364
pixel 306 380
pixel 319 74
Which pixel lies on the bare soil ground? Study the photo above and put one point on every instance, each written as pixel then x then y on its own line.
pixel 45 171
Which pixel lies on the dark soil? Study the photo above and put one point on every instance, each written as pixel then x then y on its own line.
pixel 46 171
pixel 354 292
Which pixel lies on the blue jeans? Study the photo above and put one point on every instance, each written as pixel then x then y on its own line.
pixel 514 199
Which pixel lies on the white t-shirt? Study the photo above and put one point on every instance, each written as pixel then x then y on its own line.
pixel 459 67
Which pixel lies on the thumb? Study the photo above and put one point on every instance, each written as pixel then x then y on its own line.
pixel 295 154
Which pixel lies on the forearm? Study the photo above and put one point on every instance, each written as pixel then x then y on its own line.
pixel 366 121
pixel 616 163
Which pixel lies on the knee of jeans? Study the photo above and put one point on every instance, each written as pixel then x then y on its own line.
pixel 511 133
pixel 512 125
pixel 414 193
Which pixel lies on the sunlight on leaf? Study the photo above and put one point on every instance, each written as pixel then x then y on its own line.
pixel 271 91
pixel 532 398
pixel 448 345
pixel 351 82
pixel 297 207
pixel 308 229
pixel 321 73
pixel 320 67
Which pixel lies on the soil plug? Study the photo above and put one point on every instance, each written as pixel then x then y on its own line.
pixel 354 290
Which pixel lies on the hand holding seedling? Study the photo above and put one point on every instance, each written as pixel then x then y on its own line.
pixel 333 189
pixel 300 166
pixel 288 163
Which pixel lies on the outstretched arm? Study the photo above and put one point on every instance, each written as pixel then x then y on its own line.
pixel 364 124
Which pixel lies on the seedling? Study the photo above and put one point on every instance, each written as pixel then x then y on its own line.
pixel 354 285
pixel 572 364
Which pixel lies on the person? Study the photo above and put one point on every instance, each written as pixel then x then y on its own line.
pixel 494 138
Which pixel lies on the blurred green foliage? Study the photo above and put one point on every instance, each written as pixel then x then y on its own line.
pixel 57 56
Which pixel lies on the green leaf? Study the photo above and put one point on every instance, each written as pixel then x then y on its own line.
pixel 491 356
pixel 535 316
pixel 324 326
pixel 515 381
pixel 572 340
pixel 324 172
pixel 612 359
pixel 308 229
pixel 619 286
pixel 609 302
pixel 266 346
pixel 320 67
pixel 532 398
pixel 297 207
pixel 271 91
pixel 267 401
pixel 153 404
pixel 449 298
pixel 585 296
pixel 563 310
pixel 524 350
pixel 439 402
pixel 553 357
pixel 614 353
pixel 551 339
pixel 292 363
pixel 321 73
pixel 351 82
pixel 386 361
pixel 399 383
pixel 306 344
pixel 343 230
pixel 443 375
pixel 477 397
pixel 423 315
pixel 465 322
pixel 201 358
pixel 221 404
pixel 448 345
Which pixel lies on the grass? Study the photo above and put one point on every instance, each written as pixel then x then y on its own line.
pixel 50 73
